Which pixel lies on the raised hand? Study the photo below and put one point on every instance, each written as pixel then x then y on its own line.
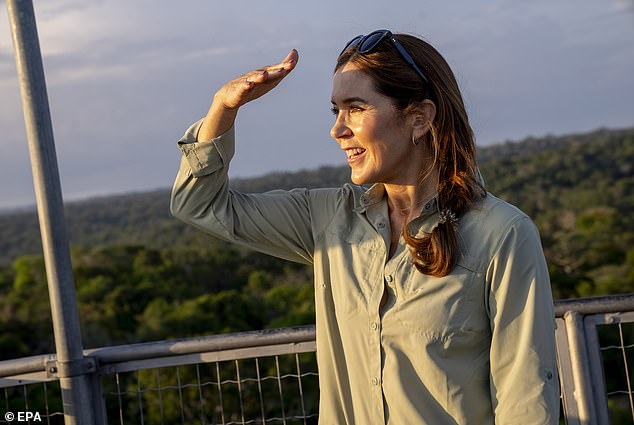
pixel 240 91
pixel 256 83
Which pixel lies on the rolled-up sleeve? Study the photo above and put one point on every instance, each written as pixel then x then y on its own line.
pixel 276 223
pixel 206 157
pixel 523 380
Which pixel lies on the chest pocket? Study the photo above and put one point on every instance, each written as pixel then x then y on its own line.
pixel 354 251
pixel 440 307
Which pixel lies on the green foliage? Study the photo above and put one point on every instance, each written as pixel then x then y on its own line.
pixel 25 319
pixel 141 275
pixel 579 189
pixel 131 293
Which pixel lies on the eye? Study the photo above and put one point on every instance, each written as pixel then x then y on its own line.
pixel 356 108
pixel 334 110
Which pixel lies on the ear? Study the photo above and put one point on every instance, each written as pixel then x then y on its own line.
pixel 422 116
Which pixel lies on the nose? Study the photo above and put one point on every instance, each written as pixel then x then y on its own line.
pixel 340 130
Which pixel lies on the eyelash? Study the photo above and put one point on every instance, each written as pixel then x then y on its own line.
pixel 335 110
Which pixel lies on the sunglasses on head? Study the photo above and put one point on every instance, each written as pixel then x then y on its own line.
pixel 367 43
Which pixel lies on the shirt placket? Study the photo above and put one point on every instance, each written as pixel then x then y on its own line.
pixel 392 282
pixel 379 222
pixel 387 279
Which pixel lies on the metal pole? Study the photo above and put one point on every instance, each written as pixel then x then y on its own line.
pixel 76 391
pixel 580 373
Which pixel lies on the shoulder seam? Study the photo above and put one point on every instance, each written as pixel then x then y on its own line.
pixel 340 190
pixel 509 227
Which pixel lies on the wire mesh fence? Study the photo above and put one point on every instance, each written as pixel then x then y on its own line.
pixel 242 380
pixel 617 356
pixel 43 400
pixel 279 389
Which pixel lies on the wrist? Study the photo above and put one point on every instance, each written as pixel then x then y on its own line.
pixel 219 104
pixel 219 119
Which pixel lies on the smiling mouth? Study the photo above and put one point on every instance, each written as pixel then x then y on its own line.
pixel 354 152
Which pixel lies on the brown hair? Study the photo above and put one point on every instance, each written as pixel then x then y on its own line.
pixel 451 139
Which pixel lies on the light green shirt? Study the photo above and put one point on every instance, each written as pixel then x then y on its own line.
pixel 474 347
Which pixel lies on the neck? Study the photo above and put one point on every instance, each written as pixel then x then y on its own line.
pixel 407 194
pixel 408 199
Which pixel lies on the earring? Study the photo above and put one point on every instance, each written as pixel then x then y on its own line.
pixel 414 141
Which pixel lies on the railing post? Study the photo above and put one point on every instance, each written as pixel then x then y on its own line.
pixel 71 365
pixel 581 374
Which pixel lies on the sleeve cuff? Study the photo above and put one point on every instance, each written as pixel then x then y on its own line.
pixel 207 157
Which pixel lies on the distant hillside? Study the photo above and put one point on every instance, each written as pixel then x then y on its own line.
pixel 139 218
pixel 141 275
pixel 554 179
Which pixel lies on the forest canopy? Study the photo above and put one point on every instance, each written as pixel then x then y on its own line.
pixel 142 275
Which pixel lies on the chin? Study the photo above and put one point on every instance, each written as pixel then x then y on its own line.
pixel 357 179
pixel 364 176
pixel 361 180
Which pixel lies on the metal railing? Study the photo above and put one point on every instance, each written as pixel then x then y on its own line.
pixel 582 325
pixel 267 371
pixel 270 376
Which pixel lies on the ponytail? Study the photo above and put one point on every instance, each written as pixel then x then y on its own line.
pixel 436 253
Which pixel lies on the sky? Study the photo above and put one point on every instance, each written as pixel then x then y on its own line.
pixel 126 78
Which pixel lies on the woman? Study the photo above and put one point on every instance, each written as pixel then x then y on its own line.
pixel 433 302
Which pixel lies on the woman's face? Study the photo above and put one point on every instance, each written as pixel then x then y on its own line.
pixel 375 136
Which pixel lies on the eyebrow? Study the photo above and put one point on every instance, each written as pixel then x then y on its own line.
pixel 350 100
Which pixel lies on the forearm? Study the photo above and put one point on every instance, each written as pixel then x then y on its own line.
pixel 276 223
pixel 209 158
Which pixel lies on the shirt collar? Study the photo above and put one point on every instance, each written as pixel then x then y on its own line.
pixel 371 196
pixel 376 193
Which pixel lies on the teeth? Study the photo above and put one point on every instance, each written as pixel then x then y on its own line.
pixel 354 151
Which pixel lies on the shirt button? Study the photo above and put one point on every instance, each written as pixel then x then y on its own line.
pixel 549 375
pixel 389 278
pixel 374 326
pixel 381 224
pixel 375 381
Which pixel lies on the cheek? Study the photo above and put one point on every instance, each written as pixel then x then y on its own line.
pixel 360 126
pixel 369 130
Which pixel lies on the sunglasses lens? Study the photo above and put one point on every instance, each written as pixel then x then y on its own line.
pixel 371 41
pixel 354 41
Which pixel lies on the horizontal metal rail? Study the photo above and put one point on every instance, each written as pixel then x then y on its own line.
pixel 595 305
pixel 252 340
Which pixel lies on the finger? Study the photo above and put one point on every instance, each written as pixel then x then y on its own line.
pixel 257 76
pixel 288 62
pixel 276 73
pixel 291 58
pixel 267 76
